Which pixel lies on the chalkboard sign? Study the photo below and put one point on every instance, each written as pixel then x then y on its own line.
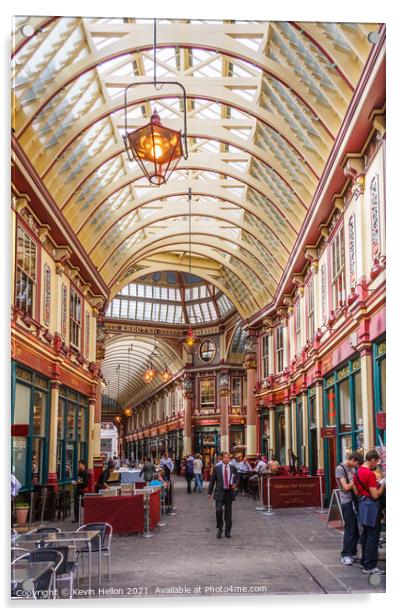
pixel 335 517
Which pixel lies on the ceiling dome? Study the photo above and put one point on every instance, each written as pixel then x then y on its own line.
pixel 170 297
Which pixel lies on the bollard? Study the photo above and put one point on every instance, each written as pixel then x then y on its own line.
pixel 162 501
pixel 261 506
pixel 322 510
pixel 147 532
pixel 269 510
pixel 172 509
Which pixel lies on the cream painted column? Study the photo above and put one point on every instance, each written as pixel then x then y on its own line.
pixel 272 435
pixel 92 431
pixel 52 453
pixel 224 392
pixel 288 430
pixel 251 366
pixel 366 374
pixel 293 406
pixel 305 427
pixel 188 411
pixel 319 401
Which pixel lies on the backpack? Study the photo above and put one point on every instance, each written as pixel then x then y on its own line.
pixel 189 466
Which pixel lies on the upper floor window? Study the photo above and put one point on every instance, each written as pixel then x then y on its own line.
pixel 25 286
pixel 173 400
pixel 75 319
pixel 279 348
pixel 207 392
pixel 310 310
pixel 338 269
pixel 298 326
pixel 265 356
pixel 236 390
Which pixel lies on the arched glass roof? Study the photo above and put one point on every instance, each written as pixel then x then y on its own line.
pixel 170 297
pixel 265 104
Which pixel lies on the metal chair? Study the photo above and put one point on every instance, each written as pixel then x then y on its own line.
pixel 68 568
pixel 44 555
pixel 17 553
pixel 45 530
pixel 106 533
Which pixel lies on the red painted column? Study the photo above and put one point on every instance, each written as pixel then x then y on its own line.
pixel 224 392
pixel 188 411
pixel 250 365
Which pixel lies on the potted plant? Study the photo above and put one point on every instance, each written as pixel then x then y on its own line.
pixel 21 511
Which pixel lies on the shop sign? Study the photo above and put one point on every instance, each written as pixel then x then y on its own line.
pixel 328 432
pixel 293 492
pixel 207 422
pixel 381 420
pixel 236 420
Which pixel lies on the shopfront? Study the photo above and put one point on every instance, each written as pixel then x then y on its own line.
pixel 300 449
pixel 265 439
pixel 236 436
pixel 72 434
pixel 30 401
pixel 380 399
pixel 280 447
pixel 207 442
pixel 343 411
pixel 312 430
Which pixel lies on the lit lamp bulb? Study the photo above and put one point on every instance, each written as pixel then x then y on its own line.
pixel 127 412
pixel 166 375
pixel 117 419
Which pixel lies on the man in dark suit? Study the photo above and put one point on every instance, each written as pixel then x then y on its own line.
pixel 224 481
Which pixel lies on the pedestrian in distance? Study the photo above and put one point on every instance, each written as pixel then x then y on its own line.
pixel 344 476
pixel 167 465
pixel 148 469
pixel 189 472
pixel 222 484
pixel 198 473
pixel 81 486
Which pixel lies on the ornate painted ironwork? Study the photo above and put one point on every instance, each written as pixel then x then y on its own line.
pixel 87 333
pixel 47 293
pixel 352 250
pixel 64 311
pixel 324 291
pixel 375 216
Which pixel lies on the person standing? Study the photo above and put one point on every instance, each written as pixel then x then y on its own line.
pixel 80 488
pixel 369 492
pixel 222 484
pixel 167 465
pixel 189 472
pixel 344 476
pixel 148 469
pixel 198 473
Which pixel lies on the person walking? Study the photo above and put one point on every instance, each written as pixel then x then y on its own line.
pixel 167 465
pixel 344 476
pixel 189 472
pixel 80 488
pixel 369 492
pixel 222 484
pixel 148 469
pixel 177 465
pixel 198 473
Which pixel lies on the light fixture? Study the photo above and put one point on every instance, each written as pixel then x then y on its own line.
pixel 117 419
pixel 156 148
pixel 166 375
pixel 127 412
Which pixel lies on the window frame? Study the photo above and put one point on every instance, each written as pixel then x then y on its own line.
pixel 35 283
pixel 279 351
pixel 74 324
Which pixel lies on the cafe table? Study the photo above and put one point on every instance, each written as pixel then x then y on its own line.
pixel 66 537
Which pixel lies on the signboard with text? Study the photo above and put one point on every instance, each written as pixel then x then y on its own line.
pixel 293 492
pixel 328 432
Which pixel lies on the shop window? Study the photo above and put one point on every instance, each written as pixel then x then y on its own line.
pixel 344 407
pixel 173 401
pixel 382 385
pixel 338 269
pixel 279 348
pixel 358 401
pixel 280 436
pixel 19 452
pixel 25 285
pixel 22 404
pixel 75 319
pixel 310 310
pixel 236 391
pixel 72 434
pixel 207 392
pixel 265 356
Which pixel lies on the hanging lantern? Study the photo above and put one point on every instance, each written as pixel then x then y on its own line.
pixel 117 419
pixel 190 341
pixel 127 412
pixel 166 375
pixel 156 148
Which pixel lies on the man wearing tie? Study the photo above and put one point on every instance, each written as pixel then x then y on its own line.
pixel 224 481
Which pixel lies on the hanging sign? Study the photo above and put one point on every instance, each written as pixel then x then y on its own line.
pixel 328 432
pixel 381 420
